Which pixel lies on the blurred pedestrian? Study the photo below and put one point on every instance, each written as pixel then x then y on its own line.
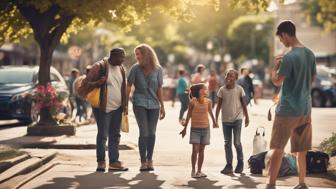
pixel 231 103
pixel 89 110
pixel 148 107
pixel 199 110
pixel 109 75
pixel 73 76
pixel 245 81
pixel 173 88
pixel 198 76
pixel 80 103
pixel 294 72
pixel 182 91
pixel 213 84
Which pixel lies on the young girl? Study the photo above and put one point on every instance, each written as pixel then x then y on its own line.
pixel 199 108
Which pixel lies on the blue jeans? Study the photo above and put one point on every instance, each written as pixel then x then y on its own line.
pixel 228 129
pixel 108 127
pixel 147 120
pixel 184 99
pixel 213 97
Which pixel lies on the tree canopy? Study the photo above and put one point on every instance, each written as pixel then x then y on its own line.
pixel 49 20
pixel 250 37
pixel 321 13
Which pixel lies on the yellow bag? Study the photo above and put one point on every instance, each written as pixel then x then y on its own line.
pixel 93 97
pixel 124 123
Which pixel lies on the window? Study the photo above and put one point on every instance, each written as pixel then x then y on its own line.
pixel 54 78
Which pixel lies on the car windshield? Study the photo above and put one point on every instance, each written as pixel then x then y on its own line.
pixel 11 76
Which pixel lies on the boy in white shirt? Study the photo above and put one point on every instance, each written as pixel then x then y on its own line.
pixel 231 103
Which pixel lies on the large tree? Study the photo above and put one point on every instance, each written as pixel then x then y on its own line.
pixel 49 20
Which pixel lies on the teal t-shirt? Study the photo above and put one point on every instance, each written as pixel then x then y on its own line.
pixel 298 66
pixel 181 85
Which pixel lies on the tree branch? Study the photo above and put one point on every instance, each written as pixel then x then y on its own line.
pixel 63 24
pixel 41 23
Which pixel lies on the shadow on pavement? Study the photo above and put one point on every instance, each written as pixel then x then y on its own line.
pixel 202 183
pixel 29 141
pixel 246 181
pixel 105 180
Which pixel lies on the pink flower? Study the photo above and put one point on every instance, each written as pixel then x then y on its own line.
pixel 47 96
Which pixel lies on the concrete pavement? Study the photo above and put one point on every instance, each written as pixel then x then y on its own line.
pixel 171 158
pixel 172 170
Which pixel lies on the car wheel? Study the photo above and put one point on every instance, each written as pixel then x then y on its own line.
pixel 317 99
pixel 329 101
pixel 34 113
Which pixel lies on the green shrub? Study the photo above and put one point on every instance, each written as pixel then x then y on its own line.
pixel 328 145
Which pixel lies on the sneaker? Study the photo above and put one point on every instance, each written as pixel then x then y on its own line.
pixel 200 174
pixel 227 169
pixel 150 165
pixel 301 186
pixel 194 175
pixel 269 186
pixel 144 166
pixel 117 166
pixel 101 166
pixel 240 167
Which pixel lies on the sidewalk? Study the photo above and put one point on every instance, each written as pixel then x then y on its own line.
pixel 76 168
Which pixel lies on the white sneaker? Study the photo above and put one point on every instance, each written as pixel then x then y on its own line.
pixel 200 174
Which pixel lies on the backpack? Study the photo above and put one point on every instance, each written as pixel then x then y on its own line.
pixel 287 168
pixel 83 89
pixel 257 163
pixel 317 162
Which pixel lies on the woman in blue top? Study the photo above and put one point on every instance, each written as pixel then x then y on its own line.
pixel 146 77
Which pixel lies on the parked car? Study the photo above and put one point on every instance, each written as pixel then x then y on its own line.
pixel 17 86
pixel 324 88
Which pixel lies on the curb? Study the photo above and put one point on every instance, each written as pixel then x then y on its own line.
pixel 30 165
pixel 9 163
pixel 44 169
pixel 73 146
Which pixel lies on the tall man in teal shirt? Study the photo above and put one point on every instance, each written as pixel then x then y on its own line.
pixel 294 72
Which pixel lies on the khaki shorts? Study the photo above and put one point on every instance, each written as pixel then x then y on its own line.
pixel 298 129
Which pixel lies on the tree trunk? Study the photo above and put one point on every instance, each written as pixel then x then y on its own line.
pixel 44 77
pixel 48 27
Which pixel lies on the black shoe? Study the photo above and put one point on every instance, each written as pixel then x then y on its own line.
pixel 227 169
pixel 101 166
pixel 100 170
pixel 240 167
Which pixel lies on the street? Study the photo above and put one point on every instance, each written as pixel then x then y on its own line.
pixel 76 168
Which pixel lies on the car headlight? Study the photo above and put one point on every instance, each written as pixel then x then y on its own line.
pixel 326 83
pixel 19 96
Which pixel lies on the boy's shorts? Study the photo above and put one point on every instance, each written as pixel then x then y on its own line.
pixel 200 136
pixel 298 129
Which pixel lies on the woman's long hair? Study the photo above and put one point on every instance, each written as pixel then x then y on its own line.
pixel 150 60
